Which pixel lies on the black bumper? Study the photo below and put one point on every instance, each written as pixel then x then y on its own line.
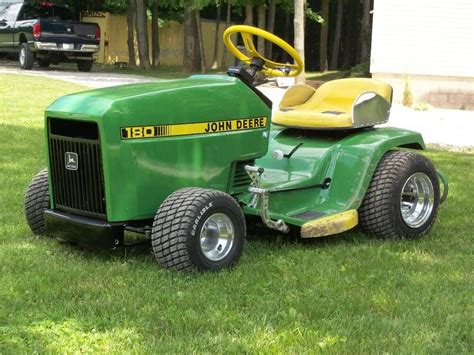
pixel 85 231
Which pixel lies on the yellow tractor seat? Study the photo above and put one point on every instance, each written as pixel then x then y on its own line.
pixel 337 104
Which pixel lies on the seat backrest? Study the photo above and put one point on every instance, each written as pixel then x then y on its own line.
pixel 344 92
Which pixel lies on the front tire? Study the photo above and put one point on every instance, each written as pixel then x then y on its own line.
pixel 84 65
pixel 36 202
pixel 198 229
pixel 26 57
pixel 403 197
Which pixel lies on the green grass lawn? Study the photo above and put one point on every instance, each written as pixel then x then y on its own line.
pixel 349 293
pixel 359 71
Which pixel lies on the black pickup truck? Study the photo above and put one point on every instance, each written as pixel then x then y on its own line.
pixel 48 33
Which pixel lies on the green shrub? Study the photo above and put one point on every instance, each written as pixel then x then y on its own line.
pixel 361 70
pixel 407 94
pixel 422 106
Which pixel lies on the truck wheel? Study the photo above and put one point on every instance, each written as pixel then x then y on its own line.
pixel 199 229
pixel 84 65
pixel 402 198
pixel 36 202
pixel 43 63
pixel 26 57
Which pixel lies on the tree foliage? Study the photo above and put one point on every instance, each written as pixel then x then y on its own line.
pixel 340 38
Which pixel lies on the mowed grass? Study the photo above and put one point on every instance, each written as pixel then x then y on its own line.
pixel 350 293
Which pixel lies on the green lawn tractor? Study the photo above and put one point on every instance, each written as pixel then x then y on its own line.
pixel 183 161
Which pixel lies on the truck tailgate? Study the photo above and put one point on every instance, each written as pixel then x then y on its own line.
pixel 69 32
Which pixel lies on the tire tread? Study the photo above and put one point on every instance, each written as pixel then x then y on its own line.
pixel 172 223
pixel 376 214
pixel 36 202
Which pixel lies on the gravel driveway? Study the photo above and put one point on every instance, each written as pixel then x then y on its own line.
pixel 93 79
pixel 443 127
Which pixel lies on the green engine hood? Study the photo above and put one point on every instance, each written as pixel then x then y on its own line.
pixel 140 173
pixel 195 99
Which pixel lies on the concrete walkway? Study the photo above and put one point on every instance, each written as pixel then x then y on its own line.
pixel 443 127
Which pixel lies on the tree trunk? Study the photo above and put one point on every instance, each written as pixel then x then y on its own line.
pixel 131 34
pixel 227 24
pixel 299 34
pixel 191 61
pixel 77 10
pixel 155 39
pixel 286 36
pixel 365 32
pixel 216 36
pixel 142 34
pixel 200 41
pixel 337 35
pixel 248 14
pixel 323 36
pixel 347 43
pixel 261 24
pixel 270 28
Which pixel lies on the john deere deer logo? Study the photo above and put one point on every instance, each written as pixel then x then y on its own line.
pixel 72 161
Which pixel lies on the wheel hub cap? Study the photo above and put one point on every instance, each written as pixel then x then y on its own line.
pixel 217 237
pixel 22 56
pixel 417 200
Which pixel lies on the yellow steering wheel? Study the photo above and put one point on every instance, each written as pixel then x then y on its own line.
pixel 269 68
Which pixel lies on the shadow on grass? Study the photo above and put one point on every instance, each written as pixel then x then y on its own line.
pixel 256 231
pixel 139 251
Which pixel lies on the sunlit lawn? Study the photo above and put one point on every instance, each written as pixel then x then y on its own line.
pixel 348 293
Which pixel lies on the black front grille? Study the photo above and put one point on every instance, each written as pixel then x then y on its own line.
pixel 240 179
pixel 76 167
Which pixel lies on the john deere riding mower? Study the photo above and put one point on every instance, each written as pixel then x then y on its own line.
pixel 182 162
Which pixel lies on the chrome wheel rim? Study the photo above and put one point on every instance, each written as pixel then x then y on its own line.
pixel 417 200
pixel 22 56
pixel 217 237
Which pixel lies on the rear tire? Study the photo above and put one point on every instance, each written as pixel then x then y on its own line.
pixel 26 58
pixel 403 197
pixel 199 229
pixel 84 65
pixel 36 202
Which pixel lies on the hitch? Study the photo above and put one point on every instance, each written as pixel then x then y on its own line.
pixel 255 174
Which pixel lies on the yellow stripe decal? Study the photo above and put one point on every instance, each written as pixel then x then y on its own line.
pixel 137 132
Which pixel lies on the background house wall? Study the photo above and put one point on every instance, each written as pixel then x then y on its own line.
pixel 429 41
pixel 113 45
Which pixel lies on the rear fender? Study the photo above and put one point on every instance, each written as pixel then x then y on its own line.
pixel 357 159
pixel 349 162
